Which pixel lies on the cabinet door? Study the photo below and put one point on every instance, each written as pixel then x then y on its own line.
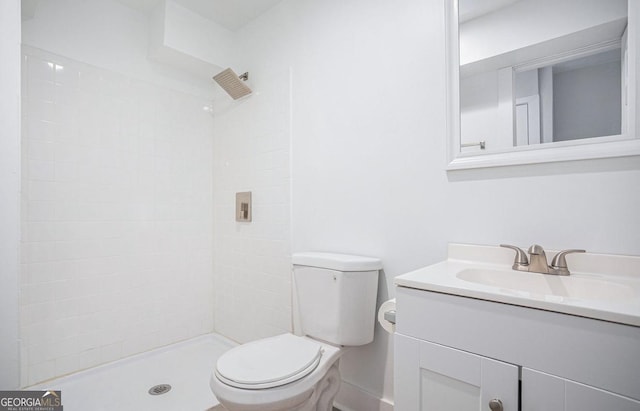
pixel 432 377
pixel 543 392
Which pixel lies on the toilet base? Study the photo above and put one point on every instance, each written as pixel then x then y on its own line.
pixel 324 392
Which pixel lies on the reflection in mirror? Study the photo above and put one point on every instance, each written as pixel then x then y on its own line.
pixel 577 98
pixel 541 71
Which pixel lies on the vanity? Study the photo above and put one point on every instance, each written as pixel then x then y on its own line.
pixel 473 334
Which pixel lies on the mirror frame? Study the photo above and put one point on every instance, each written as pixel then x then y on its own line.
pixel 624 145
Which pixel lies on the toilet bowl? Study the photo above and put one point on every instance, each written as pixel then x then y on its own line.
pixel 336 301
pixel 286 372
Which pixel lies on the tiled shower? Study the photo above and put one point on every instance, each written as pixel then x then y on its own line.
pixel 251 260
pixel 117 225
pixel 129 174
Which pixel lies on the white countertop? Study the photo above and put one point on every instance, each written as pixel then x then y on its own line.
pixel 601 286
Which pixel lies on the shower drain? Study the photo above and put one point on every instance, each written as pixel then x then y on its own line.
pixel 159 389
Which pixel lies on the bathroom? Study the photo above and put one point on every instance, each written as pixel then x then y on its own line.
pixel 343 144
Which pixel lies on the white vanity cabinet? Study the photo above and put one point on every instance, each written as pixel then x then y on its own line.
pixel 435 377
pixel 547 392
pixel 460 353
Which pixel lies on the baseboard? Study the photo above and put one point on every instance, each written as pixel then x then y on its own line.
pixel 353 398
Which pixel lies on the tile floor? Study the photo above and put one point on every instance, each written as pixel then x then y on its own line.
pixel 123 385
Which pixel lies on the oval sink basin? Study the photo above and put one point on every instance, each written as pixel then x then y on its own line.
pixel 574 286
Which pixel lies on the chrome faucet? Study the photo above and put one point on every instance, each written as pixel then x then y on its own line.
pixel 538 260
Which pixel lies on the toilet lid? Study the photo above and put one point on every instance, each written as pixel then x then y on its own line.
pixel 268 363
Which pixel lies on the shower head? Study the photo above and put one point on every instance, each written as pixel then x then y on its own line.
pixel 232 83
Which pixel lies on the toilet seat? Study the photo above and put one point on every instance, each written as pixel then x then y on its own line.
pixel 269 363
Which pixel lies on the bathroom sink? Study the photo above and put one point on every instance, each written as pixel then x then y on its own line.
pixel 576 286
pixel 601 286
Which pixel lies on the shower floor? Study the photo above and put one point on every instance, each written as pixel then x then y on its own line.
pixel 123 385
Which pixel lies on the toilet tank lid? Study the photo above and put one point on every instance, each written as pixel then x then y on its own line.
pixel 338 262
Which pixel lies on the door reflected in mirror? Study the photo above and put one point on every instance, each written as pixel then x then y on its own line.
pixel 541 72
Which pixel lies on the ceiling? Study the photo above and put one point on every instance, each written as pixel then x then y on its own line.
pixel 231 14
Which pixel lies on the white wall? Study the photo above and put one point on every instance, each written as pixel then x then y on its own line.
pixel 479 115
pixel 187 41
pixel 196 36
pixel 9 191
pixel 587 102
pixel 106 34
pixel 530 22
pixel 117 177
pixel 486 109
pixel 252 265
pixel 369 153
pixel 545 79
pixel 367 138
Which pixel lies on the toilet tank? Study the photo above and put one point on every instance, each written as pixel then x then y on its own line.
pixel 336 296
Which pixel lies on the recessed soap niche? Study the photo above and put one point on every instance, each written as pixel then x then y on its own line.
pixel 243 206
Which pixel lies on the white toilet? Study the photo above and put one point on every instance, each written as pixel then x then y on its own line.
pixel 336 303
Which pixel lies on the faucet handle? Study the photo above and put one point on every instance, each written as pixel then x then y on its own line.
pixel 559 262
pixel 521 259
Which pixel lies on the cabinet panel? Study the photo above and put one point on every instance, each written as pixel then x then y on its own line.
pixel 543 392
pixel 458 380
pixel 406 371
pixel 584 398
pixel 438 391
pixel 449 378
pixel 499 381
pixel 432 377
pixel 593 352
pixel 458 364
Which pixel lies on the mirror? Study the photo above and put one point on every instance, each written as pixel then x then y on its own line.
pixel 578 97
pixel 534 81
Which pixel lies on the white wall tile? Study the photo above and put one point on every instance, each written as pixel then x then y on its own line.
pixel 44 151
pixel 252 260
pixel 67 364
pixel 115 217
pixel 41 372
pixel 39 69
